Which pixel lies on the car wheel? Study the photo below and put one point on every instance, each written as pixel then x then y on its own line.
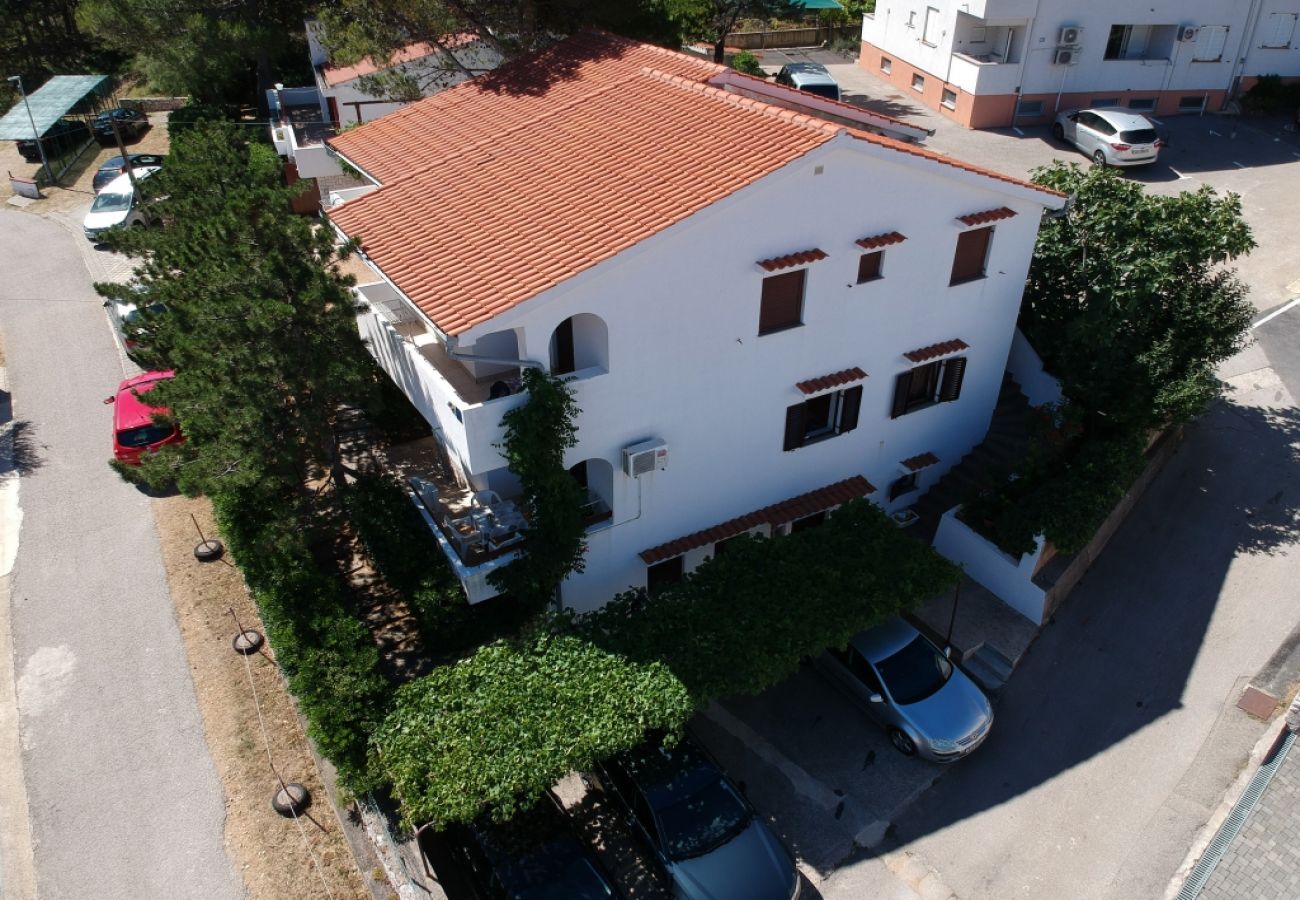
pixel 1058 131
pixel 1099 158
pixel 902 743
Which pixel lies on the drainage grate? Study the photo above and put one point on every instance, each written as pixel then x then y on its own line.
pixel 1204 867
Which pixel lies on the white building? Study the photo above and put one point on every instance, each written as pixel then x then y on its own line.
pixel 987 63
pixel 763 313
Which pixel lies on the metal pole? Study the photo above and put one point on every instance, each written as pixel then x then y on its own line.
pixel 17 80
pixel 130 176
pixel 952 620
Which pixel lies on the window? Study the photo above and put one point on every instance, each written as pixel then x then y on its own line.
pixel 903 485
pixel 808 522
pixel 1145 104
pixel 972 253
pixel 1192 104
pixel 1029 109
pixel 936 382
pixel 660 575
pixel 1103 102
pixel 562 356
pixel 886 64
pixel 1140 41
pixel 782 305
pixel 930 34
pixel 822 417
pixel 918 83
pixel 949 98
pixel 1278 28
pixel 1209 43
pixel 869 266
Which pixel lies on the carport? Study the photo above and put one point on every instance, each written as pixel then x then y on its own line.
pixel 36 113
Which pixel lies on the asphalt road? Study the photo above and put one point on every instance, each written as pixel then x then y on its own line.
pixel 123 797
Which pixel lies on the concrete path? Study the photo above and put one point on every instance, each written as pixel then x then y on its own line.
pixel 124 801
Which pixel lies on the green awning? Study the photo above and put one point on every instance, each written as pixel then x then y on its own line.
pixel 49 104
pixel 817 4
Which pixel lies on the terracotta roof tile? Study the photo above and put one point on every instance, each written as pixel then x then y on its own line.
pixel 791 259
pixel 336 75
pixel 847 376
pixel 934 351
pixel 920 461
pixel 881 240
pixel 807 504
pixel 504 186
pixel 988 215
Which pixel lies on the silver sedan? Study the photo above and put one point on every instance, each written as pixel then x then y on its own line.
pixel 1112 137
pixel 928 706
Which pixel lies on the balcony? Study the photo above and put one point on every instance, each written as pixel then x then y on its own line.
pixel 983 74
pixel 996 10
pixel 299 129
pixel 478 531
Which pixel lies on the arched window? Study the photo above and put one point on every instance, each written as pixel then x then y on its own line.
pixel 596 476
pixel 580 342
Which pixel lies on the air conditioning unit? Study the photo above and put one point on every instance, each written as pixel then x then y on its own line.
pixel 1065 56
pixel 1069 36
pixel 644 457
pixel 1187 33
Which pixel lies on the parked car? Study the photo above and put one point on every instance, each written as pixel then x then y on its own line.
pixel 135 432
pixel 1112 137
pixel 115 166
pixel 115 206
pixel 62 136
pixel 131 319
pixel 131 123
pixel 703 833
pixel 814 78
pixel 537 855
pixel 928 706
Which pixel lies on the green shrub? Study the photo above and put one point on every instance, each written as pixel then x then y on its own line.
pixel 1270 95
pixel 746 62
pixel 178 120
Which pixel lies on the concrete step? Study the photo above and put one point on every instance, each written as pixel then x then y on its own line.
pixel 989 667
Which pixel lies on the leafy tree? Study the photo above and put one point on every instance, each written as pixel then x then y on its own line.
pixel 1128 298
pixel 258 324
pixel 39 38
pixel 715 19
pixel 537 434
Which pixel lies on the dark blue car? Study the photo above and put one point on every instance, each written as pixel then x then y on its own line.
pixel 703 833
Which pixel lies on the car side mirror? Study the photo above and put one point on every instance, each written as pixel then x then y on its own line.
pixel 108 400
pixel 876 698
pixel 947 652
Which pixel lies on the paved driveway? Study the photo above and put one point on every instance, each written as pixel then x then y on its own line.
pixel 124 801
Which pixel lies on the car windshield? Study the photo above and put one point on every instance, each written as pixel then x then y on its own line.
pixel 822 90
pixel 707 817
pixel 111 203
pixel 1138 136
pixel 915 672
pixel 144 435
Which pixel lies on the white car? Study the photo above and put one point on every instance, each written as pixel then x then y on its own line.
pixel 115 206
pixel 1112 137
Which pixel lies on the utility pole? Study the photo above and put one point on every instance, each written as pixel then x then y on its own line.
pixel 126 157
pixel 17 81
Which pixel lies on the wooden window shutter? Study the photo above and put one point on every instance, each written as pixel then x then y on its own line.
pixel 850 404
pixel 902 386
pixel 972 252
pixel 782 303
pixel 954 370
pixel 794 427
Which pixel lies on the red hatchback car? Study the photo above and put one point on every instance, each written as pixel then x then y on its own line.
pixel 134 430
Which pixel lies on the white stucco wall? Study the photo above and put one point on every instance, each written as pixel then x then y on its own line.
pixel 686 364
pixel 1036 74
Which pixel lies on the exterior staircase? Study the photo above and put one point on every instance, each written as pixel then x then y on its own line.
pixel 1003 447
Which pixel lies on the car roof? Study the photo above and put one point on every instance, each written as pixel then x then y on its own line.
pixel 884 640
pixel 131 411
pixel 122 183
pixel 1123 119
pixel 810 73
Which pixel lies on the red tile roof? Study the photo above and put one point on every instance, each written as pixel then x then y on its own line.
pixel 807 504
pixel 989 215
pixel 504 186
pixel 847 376
pixel 881 240
pixel 936 350
pixel 920 461
pixel 791 259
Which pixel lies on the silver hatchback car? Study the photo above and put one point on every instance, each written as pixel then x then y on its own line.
pixel 928 706
pixel 1112 137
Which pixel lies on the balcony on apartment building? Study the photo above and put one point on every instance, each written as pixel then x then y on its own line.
pixel 986 58
pixel 995 10
pixel 299 128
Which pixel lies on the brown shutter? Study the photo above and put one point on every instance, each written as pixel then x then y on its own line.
pixel 869 266
pixel 794 427
pixel 953 372
pixel 902 385
pixel 849 406
pixel 782 303
pixel 972 251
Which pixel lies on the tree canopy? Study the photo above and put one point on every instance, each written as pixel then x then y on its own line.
pixel 258 322
pixel 1129 301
